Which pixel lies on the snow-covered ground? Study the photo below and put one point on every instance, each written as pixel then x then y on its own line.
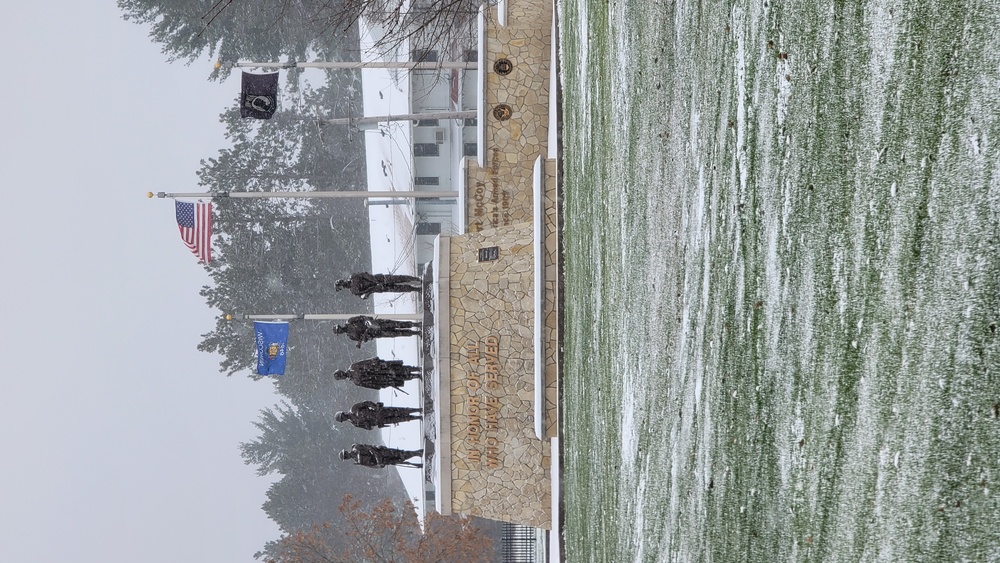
pixel 388 158
pixel 391 233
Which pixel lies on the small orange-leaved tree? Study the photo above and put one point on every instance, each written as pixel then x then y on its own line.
pixel 386 534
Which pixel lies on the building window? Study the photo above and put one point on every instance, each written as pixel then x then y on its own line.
pixel 470 149
pixel 472 56
pixel 426 149
pixel 427 123
pixel 426 181
pixel 424 228
pixel 424 55
pixel 471 122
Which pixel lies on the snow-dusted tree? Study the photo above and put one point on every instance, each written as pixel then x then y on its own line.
pixel 385 534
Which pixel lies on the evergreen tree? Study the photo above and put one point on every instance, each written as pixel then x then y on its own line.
pixel 243 30
pixel 281 256
pixel 302 443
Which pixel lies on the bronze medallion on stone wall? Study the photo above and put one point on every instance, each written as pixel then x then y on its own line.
pixel 502 112
pixel 503 67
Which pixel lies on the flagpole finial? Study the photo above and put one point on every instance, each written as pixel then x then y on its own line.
pixel 149 195
pixel 229 317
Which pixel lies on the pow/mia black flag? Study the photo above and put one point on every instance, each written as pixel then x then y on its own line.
pixel 259 97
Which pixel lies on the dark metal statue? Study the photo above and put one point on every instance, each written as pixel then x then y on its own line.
pixel 394 367
pixel 362 328
pixel 377 373
pixel 364 284
pixel 380 456
pixel 368 415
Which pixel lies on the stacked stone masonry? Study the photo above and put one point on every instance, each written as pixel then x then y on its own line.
pixel 500 193
pixel 500 469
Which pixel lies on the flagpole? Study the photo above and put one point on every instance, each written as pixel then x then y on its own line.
pixel 372 119
pixel 308 195
pixel 326 317
pixel 350 65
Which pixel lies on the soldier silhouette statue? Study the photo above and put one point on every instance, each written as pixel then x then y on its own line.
pixel 362 328
pixel 380 456
pixel 376 373
pixel 369 415
pixel 364 284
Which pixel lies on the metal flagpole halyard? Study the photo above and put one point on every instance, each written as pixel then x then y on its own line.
pixel 308 195
pixel 326 317
pixel 403 65
pixel 357 122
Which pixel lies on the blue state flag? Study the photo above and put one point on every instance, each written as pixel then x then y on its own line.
pixel 272 346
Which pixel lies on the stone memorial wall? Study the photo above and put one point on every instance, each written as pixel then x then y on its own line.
pixel 499 467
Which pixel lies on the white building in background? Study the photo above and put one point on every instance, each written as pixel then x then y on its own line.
pixel 425 154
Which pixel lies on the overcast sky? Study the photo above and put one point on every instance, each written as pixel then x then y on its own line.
pixel 119 439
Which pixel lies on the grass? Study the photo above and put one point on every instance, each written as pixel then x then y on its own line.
pixel 782 278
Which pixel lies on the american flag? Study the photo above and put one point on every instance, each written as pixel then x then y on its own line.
pixel 195 223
